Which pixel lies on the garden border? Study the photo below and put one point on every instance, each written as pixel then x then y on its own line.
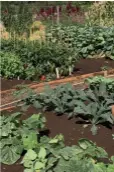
pixel 75 80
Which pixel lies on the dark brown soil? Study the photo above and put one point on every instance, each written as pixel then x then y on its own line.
pixel 11 83
pixel 72 130
pixel 84 66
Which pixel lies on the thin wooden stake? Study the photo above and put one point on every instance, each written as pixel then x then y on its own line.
pixel 70 70
pixel 58 16
pixel 18 78
pixel 57 73
pixel 105 73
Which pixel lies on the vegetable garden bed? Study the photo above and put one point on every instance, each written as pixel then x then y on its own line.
pixel 83 69
pixel 72 130
pixel 84 66
pixel 57 109
pixel 72 112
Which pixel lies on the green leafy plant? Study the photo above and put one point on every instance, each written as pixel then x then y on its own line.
pixel 84 156
pixel 22 91
pixel 11 144
pixel 63 47
pixel 113 136
pixel 94 104
pixel 42 59
pixel 17 18
pixel 37 159
pixel 17 135
pixel 87 42
pixel 95 82
pixel 99 105
pixel 105 68
pixel 100 14
pixel 11 65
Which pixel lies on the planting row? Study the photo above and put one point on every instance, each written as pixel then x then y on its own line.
pixel 95 103
pixel 45 154
pixel 41 153
pixel 57 56
pixel 87 42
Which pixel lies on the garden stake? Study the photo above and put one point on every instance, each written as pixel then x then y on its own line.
pixel 70 70
pixel 57 73
pixel 105 73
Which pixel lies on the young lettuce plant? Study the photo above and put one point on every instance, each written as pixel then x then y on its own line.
pixel 36 159
pixel 10 138
pixel 17 135
pixel 51 158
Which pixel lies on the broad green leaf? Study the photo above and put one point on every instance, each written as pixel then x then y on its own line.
pixel 30 140
pixel 84 143
pixel 9 155
pixel 30 155
pixel 112 159
pixel 37 105
pixel 28 163
pixel 110 168
pixel 100 167
pixel 28 170
pixel 53 140
pixel 42 153
pixel 39 165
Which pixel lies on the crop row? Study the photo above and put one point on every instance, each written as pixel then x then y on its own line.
pixel 63 47
pixel 45 154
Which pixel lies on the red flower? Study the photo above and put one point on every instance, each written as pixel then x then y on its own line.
pixel 25 66
pixel 78 9
pixel 73 9
pixel 60 9
pixel 53 9
pixel 69 6
pixel 48 11
pixel 43 78
pixel 42 10
pixel 6 12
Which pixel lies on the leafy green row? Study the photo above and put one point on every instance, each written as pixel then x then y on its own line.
pixel 40 59
pixel 46 154
pixel 13 67
pixel 51 156
pixel 18 135
pixel 95 82
pixel 94 105
pixel 86 41
pixel 64 45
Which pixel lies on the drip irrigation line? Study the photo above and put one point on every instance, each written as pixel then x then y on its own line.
pixel 16 101
pixel 11 103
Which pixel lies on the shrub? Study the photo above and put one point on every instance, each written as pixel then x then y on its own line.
pixel 11 65
pixel 101 14
pixel 45 58
pixel 86 41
